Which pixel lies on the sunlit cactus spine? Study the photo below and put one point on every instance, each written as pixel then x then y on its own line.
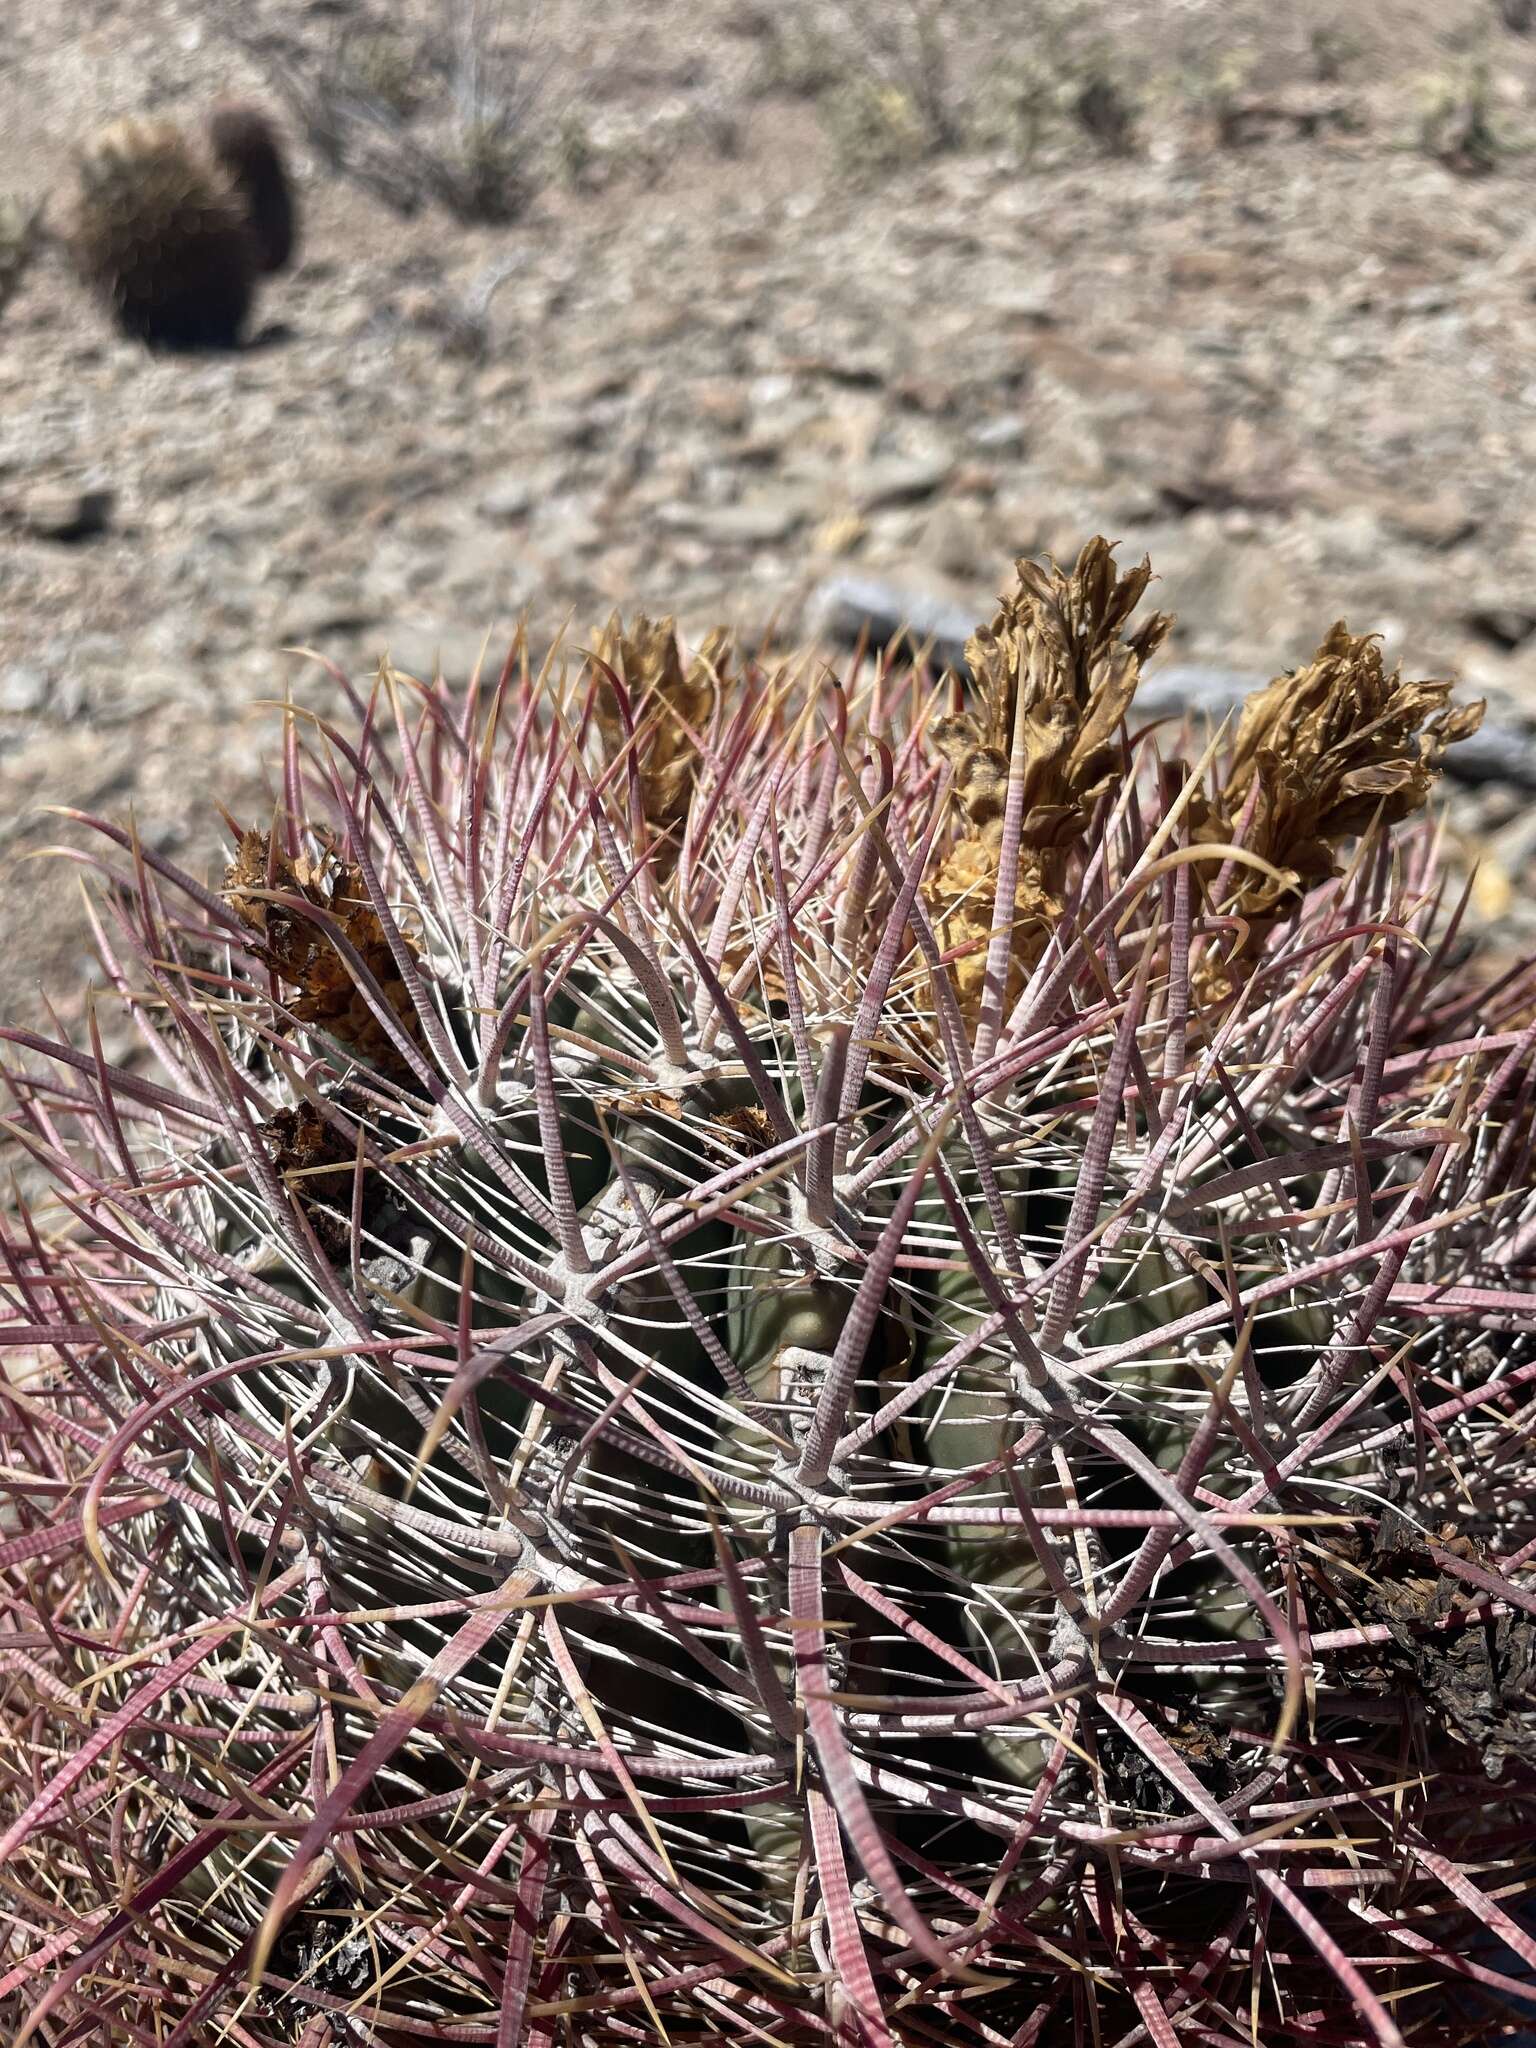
pixel 747 1357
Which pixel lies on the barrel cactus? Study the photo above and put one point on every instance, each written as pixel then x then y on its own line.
pixel 171 231
pixel 245 145
pixel 757 1357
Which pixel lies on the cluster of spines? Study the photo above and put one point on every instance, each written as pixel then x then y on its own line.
pixel 735 1405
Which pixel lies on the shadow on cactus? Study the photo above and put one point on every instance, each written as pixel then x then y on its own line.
pixel 753 1358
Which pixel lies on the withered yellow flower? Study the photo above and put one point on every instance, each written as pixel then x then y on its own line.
pixel 1054 675
pixel 1327 747
pixel 669 706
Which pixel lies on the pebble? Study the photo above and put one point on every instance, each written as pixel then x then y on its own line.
pixel 23 689
pixel 1506 624
pixel 67 512
pixel 897 480
pixel 755 521
pixel 508 502
pixel 1003 435
pixel 424 651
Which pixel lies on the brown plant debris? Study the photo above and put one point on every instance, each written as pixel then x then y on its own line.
pixel 300 951
pixel 1476 1679
pixel 319 1167
pixel 1131 1779
pixel 1319 754
pixel 748 1128
pixel 669 704
pixel 1328 746
pixel 1053 677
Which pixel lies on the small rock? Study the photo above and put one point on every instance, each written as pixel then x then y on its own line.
pixel 590 387
pixel 1036 518
pixel 844 607
pixel 1497 804
pixel 1227 586
pixel 1183 690
pixel 563 529
pixel 840 534
pixel 721 401
pixel 1505 624
pixel 22 688
pixel 1493 894
pixel 505 503
pixel 318 615
pixel 898 480
pixel 500 383
pixel 66 511
pixel 756 521
pixel 1443 521
pixel 570 427
pixel 1512 849
pixel 1496 752
pixel 452 651
pixel 933 395
pixel 486 569
pixel 1033 304
pixel 1003 435
pixel 857 374
pixel 954 539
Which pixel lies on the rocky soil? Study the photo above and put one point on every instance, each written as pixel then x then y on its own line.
pixel 1281 347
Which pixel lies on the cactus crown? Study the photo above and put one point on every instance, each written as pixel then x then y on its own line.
pixel 782 1359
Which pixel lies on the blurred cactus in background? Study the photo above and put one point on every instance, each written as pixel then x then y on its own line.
pixel 757 1357
pixel 172 232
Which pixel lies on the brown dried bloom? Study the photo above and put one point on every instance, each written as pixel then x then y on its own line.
pixel 320 1168
pixel 301 953
pixel 1054 675
pixel 1327 747
pixel 669 706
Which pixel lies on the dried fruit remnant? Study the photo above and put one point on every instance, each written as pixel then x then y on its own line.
pixel 1476 1678
pixel 1319 754
pixel 1325 748
pixel 669 706
pixel 1054 675
pixel 300 951
pixel 320 1168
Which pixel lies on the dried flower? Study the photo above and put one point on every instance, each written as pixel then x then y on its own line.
pixel 668 707
pixel 319 1167
pixel 1054 676
pixel 1328 747
pixel 300 949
